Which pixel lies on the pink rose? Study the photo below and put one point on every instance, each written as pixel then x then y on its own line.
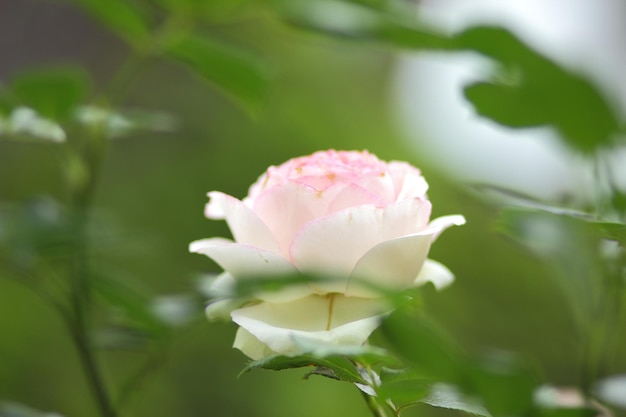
pixel 342 214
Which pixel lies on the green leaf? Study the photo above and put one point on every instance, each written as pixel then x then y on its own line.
pixel 447 396
pixel 116 290
pixel 121 16
pixel 341 367
pixel 356 21
pixel 423 345
pixel 239 74
pixel 541 93
pixel 404 387
pixel 503 383
pixel 54 93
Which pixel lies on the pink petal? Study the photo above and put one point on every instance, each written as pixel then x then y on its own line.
pixel 408 180
pixel 247 228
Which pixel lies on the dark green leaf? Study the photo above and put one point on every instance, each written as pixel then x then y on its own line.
pixel 341 367
pixel 241 75
pixel 122 16
pixel 542 93
pixel 54 93
pixel 403 387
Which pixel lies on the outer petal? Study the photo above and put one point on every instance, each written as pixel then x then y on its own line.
pixel 247 228
pixel 334 244
pixel 245 262
pixel 251 346
pixel 434 272
pixel 440 224
pixel 393 264
pixel 335 320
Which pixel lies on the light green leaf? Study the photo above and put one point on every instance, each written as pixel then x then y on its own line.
pixel 447 396
pixel 116 290
pixel 239 74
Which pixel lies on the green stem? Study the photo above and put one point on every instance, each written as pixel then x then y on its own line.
pixel 376 409
pixel 81 303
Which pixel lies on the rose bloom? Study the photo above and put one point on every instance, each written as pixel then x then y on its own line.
pixel 346 215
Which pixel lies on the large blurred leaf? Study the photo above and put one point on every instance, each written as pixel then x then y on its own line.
pixel 423 345
pixel 542 93
pixel 53 93
pixel 535 92
pixel 360 20
pixel 241 75
pixel 504 384
pixel 135 305
pixel 122 16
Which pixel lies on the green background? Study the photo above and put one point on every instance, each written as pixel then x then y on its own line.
pixel 326 93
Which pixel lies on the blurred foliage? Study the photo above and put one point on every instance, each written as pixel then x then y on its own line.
pixel 126 279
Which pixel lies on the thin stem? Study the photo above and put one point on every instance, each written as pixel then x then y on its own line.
pixel 81 307
pixel 376 409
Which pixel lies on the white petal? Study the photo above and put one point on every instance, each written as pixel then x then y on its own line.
pixel 221 309
pixel 251 346
pixel 334 319
pixel 442 223
pixel 393 264
pixel 334 244
pixel 434 272
pixel 247 228
pixel 247 262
